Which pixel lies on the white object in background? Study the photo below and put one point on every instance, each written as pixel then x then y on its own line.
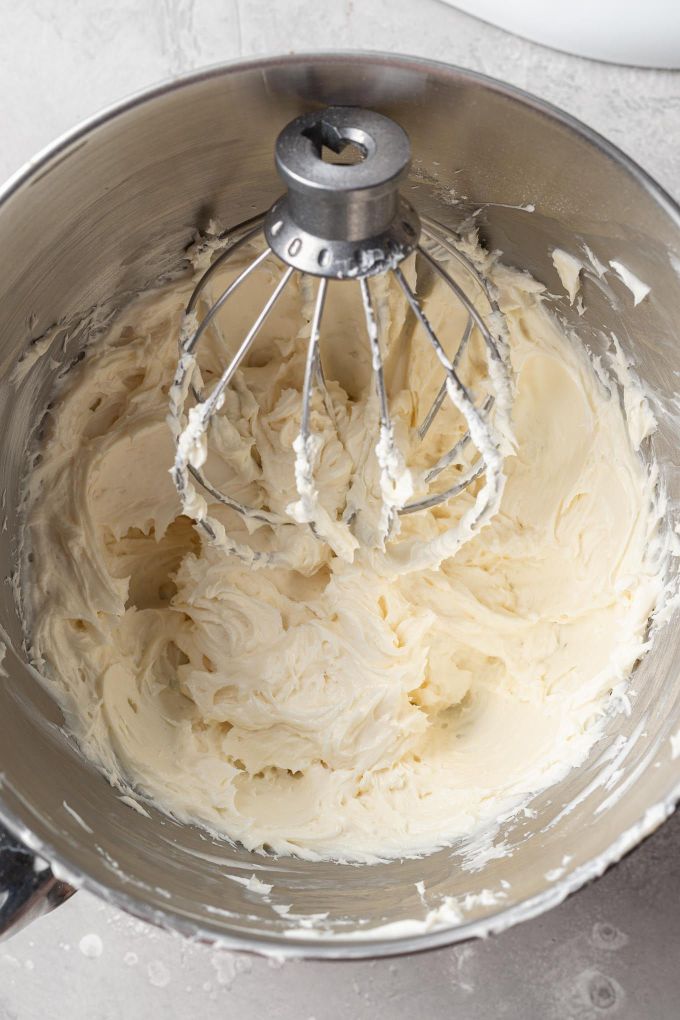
pixel 645 33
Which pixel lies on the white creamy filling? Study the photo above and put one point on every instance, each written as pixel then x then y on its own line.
pixel 338 707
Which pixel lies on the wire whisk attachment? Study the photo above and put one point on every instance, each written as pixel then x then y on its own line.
pixel 346 225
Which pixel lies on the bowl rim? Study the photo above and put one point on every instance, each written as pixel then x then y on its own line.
pixel 324 946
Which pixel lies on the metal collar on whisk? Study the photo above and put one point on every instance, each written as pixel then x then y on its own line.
pixel 342 220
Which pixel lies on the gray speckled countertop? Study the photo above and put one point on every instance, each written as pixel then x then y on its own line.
pixel 612 949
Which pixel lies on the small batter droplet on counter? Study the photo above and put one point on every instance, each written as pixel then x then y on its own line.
pixel 91 946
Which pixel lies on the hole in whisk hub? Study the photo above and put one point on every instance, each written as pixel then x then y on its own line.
pixel 294 247
pixel 349 155
pixel 324 258
pixel 340 148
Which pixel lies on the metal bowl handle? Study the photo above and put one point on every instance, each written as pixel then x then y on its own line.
pixel 28 886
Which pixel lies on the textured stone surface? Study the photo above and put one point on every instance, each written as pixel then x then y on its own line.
pixel 611 950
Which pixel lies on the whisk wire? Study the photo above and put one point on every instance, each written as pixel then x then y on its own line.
pixel 231 248
pixel 441 395
pixel 188 460
pixel 313 363
pixel 211 404
pixel 396 484
pixel 478 429
pixel 224 297
pixel 491 344
pixel 376 355
pixel 465 480
pixel 454 453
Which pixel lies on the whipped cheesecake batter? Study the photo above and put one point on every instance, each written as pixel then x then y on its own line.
pixel 346 702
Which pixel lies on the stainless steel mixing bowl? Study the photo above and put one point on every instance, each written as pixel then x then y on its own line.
pixel 108 210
